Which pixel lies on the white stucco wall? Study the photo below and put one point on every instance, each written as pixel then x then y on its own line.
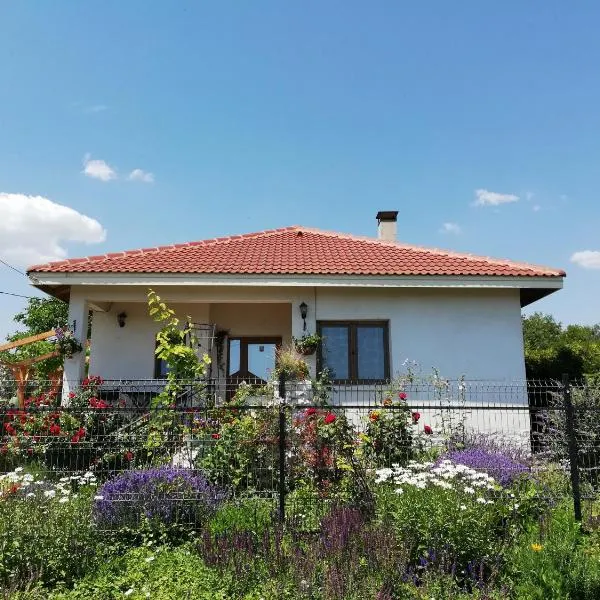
pixel 128 352
pixel 471 332
pixel 475 333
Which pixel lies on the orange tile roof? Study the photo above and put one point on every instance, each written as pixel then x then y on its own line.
pixel 296 250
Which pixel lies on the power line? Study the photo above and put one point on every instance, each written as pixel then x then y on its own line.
pixel 11 267
pixel 18 295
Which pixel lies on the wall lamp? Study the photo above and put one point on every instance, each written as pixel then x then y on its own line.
pixel 303 312
pixel 121 319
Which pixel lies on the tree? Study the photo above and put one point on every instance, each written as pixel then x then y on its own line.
pixel 551 349
pixel 43 314
pixel 40 315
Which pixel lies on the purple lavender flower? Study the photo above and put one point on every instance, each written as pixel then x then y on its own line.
pixel 167 494
pixel 502 468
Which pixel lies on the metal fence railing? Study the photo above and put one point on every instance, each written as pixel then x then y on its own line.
pixel 276 440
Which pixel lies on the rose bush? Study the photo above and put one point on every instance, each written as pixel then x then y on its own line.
pixel 391 436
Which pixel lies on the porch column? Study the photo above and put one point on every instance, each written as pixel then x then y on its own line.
pixel 311 323
pixel 74 368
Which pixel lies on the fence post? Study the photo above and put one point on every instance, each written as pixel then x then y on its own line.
pixel 282 403
pixel 572 446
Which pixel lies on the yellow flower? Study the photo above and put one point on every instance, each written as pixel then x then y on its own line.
pixel 536 547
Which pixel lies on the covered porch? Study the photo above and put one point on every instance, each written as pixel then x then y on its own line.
pixel 239 329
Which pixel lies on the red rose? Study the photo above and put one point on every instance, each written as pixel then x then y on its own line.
pixel 329 418
pixel 216 436
pixel 29 451
pixel 402 396
pixel 427 429
pixel 374 416
pixel 416 416
pixel 54 429
pixel 80 433
pixel 128 456
pixel 71 395
pixel 310 411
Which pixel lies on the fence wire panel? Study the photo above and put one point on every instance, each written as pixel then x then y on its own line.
pixel 151 451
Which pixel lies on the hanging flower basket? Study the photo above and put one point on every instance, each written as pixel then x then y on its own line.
pixel 66 343
pixel 307 344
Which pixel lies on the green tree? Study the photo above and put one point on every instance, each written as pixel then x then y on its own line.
pixel 39 316
pixel 43 314
pixel 552 349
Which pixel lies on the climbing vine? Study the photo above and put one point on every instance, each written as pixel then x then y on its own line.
pixel 175 345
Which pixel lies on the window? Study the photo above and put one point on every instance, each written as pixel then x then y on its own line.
pixel 160 366
pixel 355 350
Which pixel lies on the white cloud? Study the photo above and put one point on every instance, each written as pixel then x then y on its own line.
pixel 487 198
pixel 529 196
pixel 453 228
pixel 588 259
pixel 139 175
pixel 33 229
pixel 536 208
pixel 98 169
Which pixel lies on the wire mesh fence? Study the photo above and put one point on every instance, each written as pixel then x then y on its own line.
pixel 151 451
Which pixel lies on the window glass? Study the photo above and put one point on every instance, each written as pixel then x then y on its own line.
pixel 334 350
pixel 261 360
pixel 234 356
pixel 370 347
pixel 161 369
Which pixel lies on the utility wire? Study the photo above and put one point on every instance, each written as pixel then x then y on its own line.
pixel 18 295
pixel 11 267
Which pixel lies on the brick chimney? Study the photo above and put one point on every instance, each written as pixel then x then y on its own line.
pixel 386 225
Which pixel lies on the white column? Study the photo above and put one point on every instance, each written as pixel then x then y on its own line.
pixel 74 368
pixel 311 322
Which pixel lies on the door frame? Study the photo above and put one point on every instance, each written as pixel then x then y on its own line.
pixel 244 341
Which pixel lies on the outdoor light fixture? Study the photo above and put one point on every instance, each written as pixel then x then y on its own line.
pixel 303 312
pixel 121 319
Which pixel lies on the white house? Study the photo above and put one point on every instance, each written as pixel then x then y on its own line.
pixel 375 301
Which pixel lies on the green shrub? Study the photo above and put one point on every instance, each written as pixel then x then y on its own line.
pixel 448 508
pixel 553 560
pixel 239 448
pixel 46 533
pixel 161 573
pixel 254 515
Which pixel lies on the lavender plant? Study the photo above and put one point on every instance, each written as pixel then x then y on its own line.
pixel 504 469
pixel 158 496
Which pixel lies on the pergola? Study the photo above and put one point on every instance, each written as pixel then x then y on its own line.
pixel 22 369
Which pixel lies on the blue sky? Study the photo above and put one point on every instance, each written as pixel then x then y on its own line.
pixel 167 122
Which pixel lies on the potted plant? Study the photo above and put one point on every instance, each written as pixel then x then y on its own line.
pixel 294 369
pixel 307 344
pixel 67 343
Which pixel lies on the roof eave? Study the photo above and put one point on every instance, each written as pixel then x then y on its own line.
pixel 532 287
pixel 531 295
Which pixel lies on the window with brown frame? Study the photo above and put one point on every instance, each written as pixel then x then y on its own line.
pixel 356 351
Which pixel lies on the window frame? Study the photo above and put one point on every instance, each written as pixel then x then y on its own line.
pixel 352 327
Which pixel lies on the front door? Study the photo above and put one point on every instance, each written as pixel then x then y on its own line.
pixel 250 359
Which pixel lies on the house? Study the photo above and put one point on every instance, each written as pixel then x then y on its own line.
pixel 376 302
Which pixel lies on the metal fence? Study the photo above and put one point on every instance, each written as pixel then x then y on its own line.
pixel 249 439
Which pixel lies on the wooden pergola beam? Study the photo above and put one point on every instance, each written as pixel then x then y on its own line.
pixel 27 340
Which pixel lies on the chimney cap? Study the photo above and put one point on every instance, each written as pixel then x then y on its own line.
pixel 387 215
